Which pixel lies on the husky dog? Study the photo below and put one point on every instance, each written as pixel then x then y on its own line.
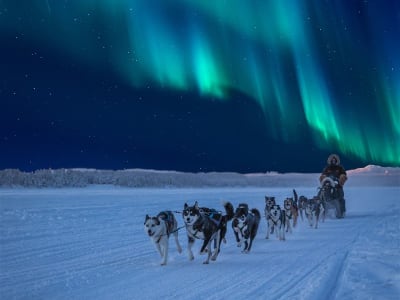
pixel 277 218
pixel 269 202
pixel 301 203
pixel 313 211
pixel 291 212
pixel 208 225
pixel 245 225
pixel 302 206
pixel 159 229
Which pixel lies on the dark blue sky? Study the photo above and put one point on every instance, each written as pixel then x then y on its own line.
pixel 184 86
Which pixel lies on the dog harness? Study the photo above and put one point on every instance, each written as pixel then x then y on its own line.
pixel 290 215
pixel 272 219
pixel 214 220
pixel 213 215
pixel 169 220
pixel 275 222
pixel 242 226
pixel 209 215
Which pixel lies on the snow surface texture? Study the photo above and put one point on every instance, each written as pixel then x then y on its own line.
pixel 89 243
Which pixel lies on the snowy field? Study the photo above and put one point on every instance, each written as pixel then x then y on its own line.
pixel 89 243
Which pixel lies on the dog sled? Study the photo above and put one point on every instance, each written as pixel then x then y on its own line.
pixel 331 197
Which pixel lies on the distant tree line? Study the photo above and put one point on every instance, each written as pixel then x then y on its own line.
pixel 150 178
pixel 141 178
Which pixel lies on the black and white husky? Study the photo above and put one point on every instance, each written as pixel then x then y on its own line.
pixel 208 225
pixel 314 209
pixel 159 229
pixel 276 222
pixel 245 225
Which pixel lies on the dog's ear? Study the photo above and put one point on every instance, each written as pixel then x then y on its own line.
pixel 185 206
pixel 147 217
pixel 196 205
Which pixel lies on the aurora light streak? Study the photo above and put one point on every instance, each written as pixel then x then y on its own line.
pixel 330 67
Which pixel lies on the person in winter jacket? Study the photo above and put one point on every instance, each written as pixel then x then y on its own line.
pixel 336 171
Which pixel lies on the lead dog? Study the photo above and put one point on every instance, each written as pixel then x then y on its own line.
pixel 208 225
pixel 245 225
pixel 159 229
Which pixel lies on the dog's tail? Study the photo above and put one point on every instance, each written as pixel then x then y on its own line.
pixel 296 198
pixel 230 211
pixel 256 213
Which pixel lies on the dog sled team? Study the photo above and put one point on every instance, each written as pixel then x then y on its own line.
pixel 210 225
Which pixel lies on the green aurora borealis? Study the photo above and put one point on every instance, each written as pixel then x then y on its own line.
pixel 332 67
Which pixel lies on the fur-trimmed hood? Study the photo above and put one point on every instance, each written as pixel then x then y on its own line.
pixel 333 156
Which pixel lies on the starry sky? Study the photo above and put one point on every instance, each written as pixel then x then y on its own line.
pixel 199 86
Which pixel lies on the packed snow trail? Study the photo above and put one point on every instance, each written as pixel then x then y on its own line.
pixel 89 243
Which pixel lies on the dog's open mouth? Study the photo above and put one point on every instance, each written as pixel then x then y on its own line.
pixel 150 233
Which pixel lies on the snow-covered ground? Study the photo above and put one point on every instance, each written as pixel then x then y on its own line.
pixel 89 243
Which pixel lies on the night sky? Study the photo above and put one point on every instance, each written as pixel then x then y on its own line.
pixel 199 86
